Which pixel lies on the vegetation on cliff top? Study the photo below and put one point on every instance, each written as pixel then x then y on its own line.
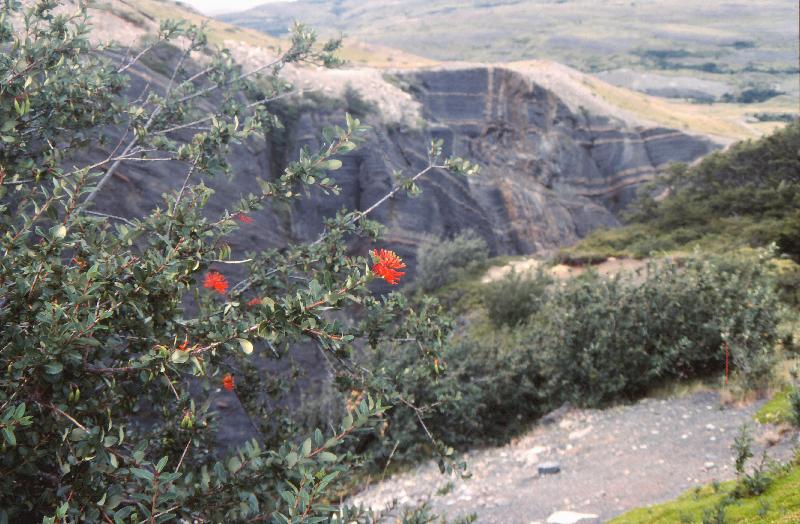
pixel 746 196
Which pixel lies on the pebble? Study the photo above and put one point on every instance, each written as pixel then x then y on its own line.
pixel 549 468
pixel 570 517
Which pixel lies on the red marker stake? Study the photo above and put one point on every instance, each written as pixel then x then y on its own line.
pixel 726 362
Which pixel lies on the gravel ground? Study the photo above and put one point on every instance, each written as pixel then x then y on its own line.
pixel 611 461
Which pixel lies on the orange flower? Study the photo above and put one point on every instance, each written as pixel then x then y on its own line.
pixel 388 265
pixel 216 281
pixel 254 302
pixel 244 219
pixel 227 381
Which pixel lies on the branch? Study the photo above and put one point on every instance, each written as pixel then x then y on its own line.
pixel 51 406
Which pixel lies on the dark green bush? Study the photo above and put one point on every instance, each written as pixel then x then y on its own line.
pixel 602 339
pixel 440 262
pixel 513 299
pixel 591 341
pixel 117 334
pixel 794 402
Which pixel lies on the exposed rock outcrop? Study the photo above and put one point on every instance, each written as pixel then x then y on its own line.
pixel 551 172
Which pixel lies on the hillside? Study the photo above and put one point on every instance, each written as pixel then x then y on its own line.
pixel 699 50
pixel 745 197
pixel 368 60
pixel 557 161
pixel 243 279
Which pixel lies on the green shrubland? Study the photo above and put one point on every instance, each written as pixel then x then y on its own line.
pixel 590 341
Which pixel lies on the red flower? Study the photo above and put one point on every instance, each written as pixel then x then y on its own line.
pixel 185 345
pixel 254 302
pixel 227 382
pixel 388 265
pixel 244 219
pixel 216 281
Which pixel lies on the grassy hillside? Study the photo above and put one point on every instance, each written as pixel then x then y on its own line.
pixel 144 15
pixel 746 196
pixel 714 503
pixel 743 44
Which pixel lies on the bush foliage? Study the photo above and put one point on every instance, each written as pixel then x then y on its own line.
pixel 443 261
pixel 117 333
pixel 591 341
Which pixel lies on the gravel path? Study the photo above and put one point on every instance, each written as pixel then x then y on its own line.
pixel 611 461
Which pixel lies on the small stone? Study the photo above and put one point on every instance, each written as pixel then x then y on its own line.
pixel 709 465
pixel 710 426
pixel 549 468
pixel 570 517
pixel 580 433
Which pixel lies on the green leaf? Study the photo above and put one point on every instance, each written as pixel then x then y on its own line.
pixel 161 463
pixel 247 346
pixel 78 434
pixel 331 165
pixel 327 456
pixel 291 459
pixel 8 433
pixel 179 357
pixel 327 480
pixel 53 368
pixel 142 474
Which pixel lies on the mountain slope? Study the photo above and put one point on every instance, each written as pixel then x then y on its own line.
pixel 736 52
pixel 586 34
pixel 747 196
pixel 557 160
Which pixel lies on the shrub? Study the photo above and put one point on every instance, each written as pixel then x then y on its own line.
pixel 604 339
pixel 513 299
pixel 440 262
pixel 590 341
pixel 116 333
pixel 794 402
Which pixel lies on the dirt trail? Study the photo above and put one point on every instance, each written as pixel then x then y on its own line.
pixel 611 461
pixel 529 266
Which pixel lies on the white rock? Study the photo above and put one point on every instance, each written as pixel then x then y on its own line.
pixel 570 517
pixel 580 433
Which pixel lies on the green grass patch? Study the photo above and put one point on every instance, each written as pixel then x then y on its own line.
pixel 779 504
pixel 778 410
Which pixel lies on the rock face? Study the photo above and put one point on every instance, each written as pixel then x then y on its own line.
pixel 550 173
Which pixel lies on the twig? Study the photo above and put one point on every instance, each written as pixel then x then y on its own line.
pixel 185 449
pixel 106 215
pixel 66 416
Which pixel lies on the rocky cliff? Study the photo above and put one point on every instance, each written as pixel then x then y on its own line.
pixel 550 173
pixel 552 169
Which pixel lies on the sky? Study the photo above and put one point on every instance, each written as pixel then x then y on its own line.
pixel 215 7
